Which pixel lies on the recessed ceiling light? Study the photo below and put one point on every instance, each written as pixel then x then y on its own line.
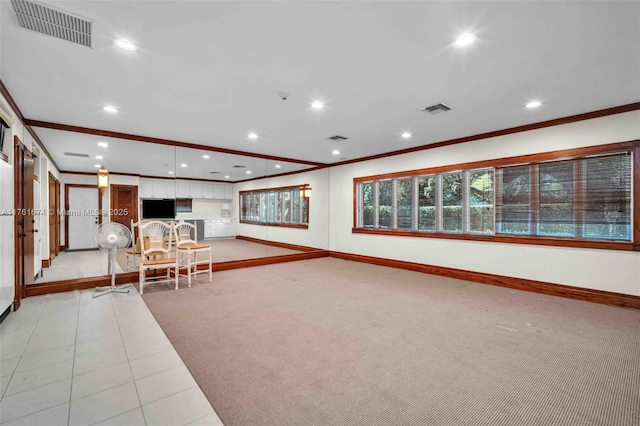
pixel 99 157
pixel 205 157
pixel 226 177
pixel 252 136
pixel 125 45
pixel 278 166
pixel 170 172
pixel 97 166
pixel 183 165
pixel 248 172
pixel 110 108
pixel 318 105
pixel 534 104
pixel 464 40
pixel 336 152
pixel 406 135
pixel 103 144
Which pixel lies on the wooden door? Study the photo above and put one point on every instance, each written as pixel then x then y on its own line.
pixel 54 217
pixel 24 221
pixel 124 204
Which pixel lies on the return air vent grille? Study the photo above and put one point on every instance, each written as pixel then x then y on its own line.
pixel 337 138
pixel 56 23
pixel 435 109
pixel 215 173
pixel 76 154
pixel 239 167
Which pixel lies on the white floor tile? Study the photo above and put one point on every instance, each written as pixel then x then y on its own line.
pixel 178 409
pixel 37 345
pixel 37 377
pixel 98 345
pixel 163 384
pixel 210 420
pixel 156 345
pixel 34 400
pixel 40 359
pixel 103 405
pixel 130 418
pixel 7 366
pixel 100 330
pixel 11 350
pixel 99 361
pixel 99 380
pixel 56 416
pixel 156 363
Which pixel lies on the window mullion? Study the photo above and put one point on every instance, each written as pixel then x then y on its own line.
pixel 414 204
pixel 534 199
pixel 438 180
pixel 466 203
pixel 376 204
pixel 579 197
pixel 394 204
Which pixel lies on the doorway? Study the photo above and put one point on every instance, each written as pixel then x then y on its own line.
pixel 83 207
pixel 24 221
pixel 54 217
pixel 124 204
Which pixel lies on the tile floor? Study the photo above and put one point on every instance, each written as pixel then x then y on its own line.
pixel 77 264
pixel 70 359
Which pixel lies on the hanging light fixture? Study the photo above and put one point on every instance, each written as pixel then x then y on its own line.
pixel 103 179
pixel 305 190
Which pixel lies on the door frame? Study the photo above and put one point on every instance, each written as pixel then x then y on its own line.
pixel 54 211
pixel 66 207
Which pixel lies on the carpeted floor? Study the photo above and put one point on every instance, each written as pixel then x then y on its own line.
pixel 332 342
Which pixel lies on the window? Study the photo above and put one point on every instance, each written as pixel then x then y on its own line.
pixel 183 205
pixel 578 200
pixel 275 206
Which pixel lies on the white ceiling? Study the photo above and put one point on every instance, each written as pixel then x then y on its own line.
pixel 209 73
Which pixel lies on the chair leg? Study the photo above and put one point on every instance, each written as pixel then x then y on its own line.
pixel 175 275
pixel 210 269
pixel 141 279
pixel 189 268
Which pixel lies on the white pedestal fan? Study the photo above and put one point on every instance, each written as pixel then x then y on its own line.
pixel 112 237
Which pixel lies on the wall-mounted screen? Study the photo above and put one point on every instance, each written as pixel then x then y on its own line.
pixel 154 208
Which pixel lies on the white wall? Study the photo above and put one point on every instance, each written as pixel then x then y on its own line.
pixel 317 235
pixel 615 271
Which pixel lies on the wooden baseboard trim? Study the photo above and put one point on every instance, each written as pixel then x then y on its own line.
pixel 276 244
pixel 588 295
pixel 46 263
pixel 132 277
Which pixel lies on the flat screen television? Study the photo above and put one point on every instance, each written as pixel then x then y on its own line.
pixel 155 208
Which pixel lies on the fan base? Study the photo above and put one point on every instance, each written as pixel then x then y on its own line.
pixel 111 289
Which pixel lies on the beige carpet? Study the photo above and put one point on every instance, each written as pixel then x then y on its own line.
pixel 332 342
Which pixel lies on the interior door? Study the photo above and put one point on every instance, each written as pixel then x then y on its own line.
pixel 124 204
pixel 82 217
pixel 24 222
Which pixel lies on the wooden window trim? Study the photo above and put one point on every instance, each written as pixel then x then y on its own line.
pixel 281 224
pixel 531 160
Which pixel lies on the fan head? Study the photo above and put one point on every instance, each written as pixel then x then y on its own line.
pixel 112 236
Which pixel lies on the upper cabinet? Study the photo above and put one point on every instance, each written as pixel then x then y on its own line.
pixel 163 188
pixel 157 188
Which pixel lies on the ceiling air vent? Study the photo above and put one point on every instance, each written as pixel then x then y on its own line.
pixel 239 167
pixel 215 173
pixel 337 138
pixel 54 22
pixel 75 154
pixel 435 109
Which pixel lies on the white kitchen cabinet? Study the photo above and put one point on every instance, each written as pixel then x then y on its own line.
pixel 208 190
pixel 218 191
pixel 145 189
pixel 182 189
pixel 228 192
pixel 195 189
pixel 219 228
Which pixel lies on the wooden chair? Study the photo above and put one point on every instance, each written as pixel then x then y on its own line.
pixel 136 250
pixel 155 252
pixel 188 249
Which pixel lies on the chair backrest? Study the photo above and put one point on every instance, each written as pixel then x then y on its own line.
pixel 154 234
pixel 186 233
pixel 136 238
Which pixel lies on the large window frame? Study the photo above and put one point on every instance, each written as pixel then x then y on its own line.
pixel 578 237
pixel 281 206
